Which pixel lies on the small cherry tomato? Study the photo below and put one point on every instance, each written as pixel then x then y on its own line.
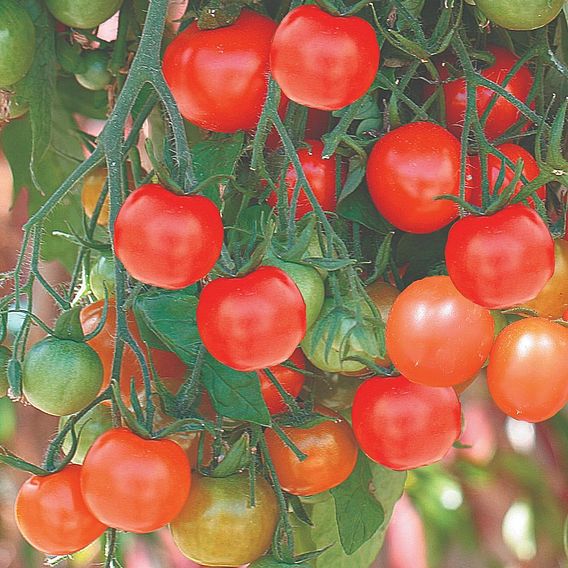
pixel 519 14
pixel 83 14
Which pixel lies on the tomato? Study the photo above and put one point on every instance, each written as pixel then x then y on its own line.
pixel 167 240
pixel 519 14
pixel 51 513
pixel 324 61
pixel 503 115
pixel 95 75
pixel 346 341
pixel 88 429
pixel 219 527
pixel 435 336
pixel 528 369
pixel 102 278
pixel 252 322
pixel 333 391
pixel 309 283
pixel 403 425
pixel 93 184
pixel 500 260
pixel 552 300
pixel 331 455
pixel 12 106
pixel 83 14
pixel 320 174
pixel 17 42
pixel 219 77
pixel 61 376
pixel 407 169
pixel 5 355
pixel 494 164
pixel 290 380
pixel 134 484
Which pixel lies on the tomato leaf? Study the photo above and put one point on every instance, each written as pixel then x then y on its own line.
pixel 358 513
pixel 237 458
pixel 354 177
pixel 358 207
pixel 329 264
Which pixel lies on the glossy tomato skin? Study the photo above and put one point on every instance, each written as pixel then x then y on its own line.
pixel 407 169
pixel 402 425
pixel 331 450
pixel 219 77
pixel 252 322
pixel 519 14
pixel 93 184
pixel 500 260
pixel 218 527
pixel 435 336
pixel 134 484
pixel 291 381
pixel 528 369
pixel 52 515
pixel 167 240
pixel 320 174
pixel 515 153
pixel 83 14
pixel 95 76
pixel 323 61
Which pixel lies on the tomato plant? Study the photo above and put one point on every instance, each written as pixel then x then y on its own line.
pixel 83 14
pixel 5 355
pixel 518 15
pixel 91 192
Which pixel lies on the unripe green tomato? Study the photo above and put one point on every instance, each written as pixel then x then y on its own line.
pixel 83 14
pixel 5 355
pixel 61 376
pixel 17 42
pixel 95 75
pixel 333 391
pixel 520 14
pixel 102 275
pixel 88 428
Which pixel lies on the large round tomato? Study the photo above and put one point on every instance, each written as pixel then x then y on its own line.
pixel 61 376
pixel 323 61
pixel 515 153
pixel 219 527
pixel 17 42
pixel 51 513
pixel 5 355
pixel 331 455
pixel 320 174
pixel 520 14
pixel 437 337
pixel 402 425
pixel 167 240
pixel 290 380
pixel 500 260
pixel 83 14
pixel 252 322
pixel 528 369
pixel 134 484
pixel 219 77
pixel 407 169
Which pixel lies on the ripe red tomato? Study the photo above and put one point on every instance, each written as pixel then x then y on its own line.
pixel 503 114
pixel 52 515
pixel 500 260
pixel 324 61
pixel 331 450
pixel 514 152
pixel 167 240
pixel 320 174
pixel 290 380
pixel 134 484
pixel 219 77
pixel 435 336
pixel 252 322
pixel 402 425
pixel 407 169
pixel 528 369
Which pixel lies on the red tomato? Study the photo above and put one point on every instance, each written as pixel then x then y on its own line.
pixel 167 240
pixel 290 380
pixel 252 322
pixel 514 152
pixel 320 174
pixel 503 115
pixel 134 484
pixel 435 336
pixel 402 425
pixel 528 369
pixel 219 77
pixel 324 61
pixel 407 169
pixel 51 513
pixel 500 260
pixel 565 315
